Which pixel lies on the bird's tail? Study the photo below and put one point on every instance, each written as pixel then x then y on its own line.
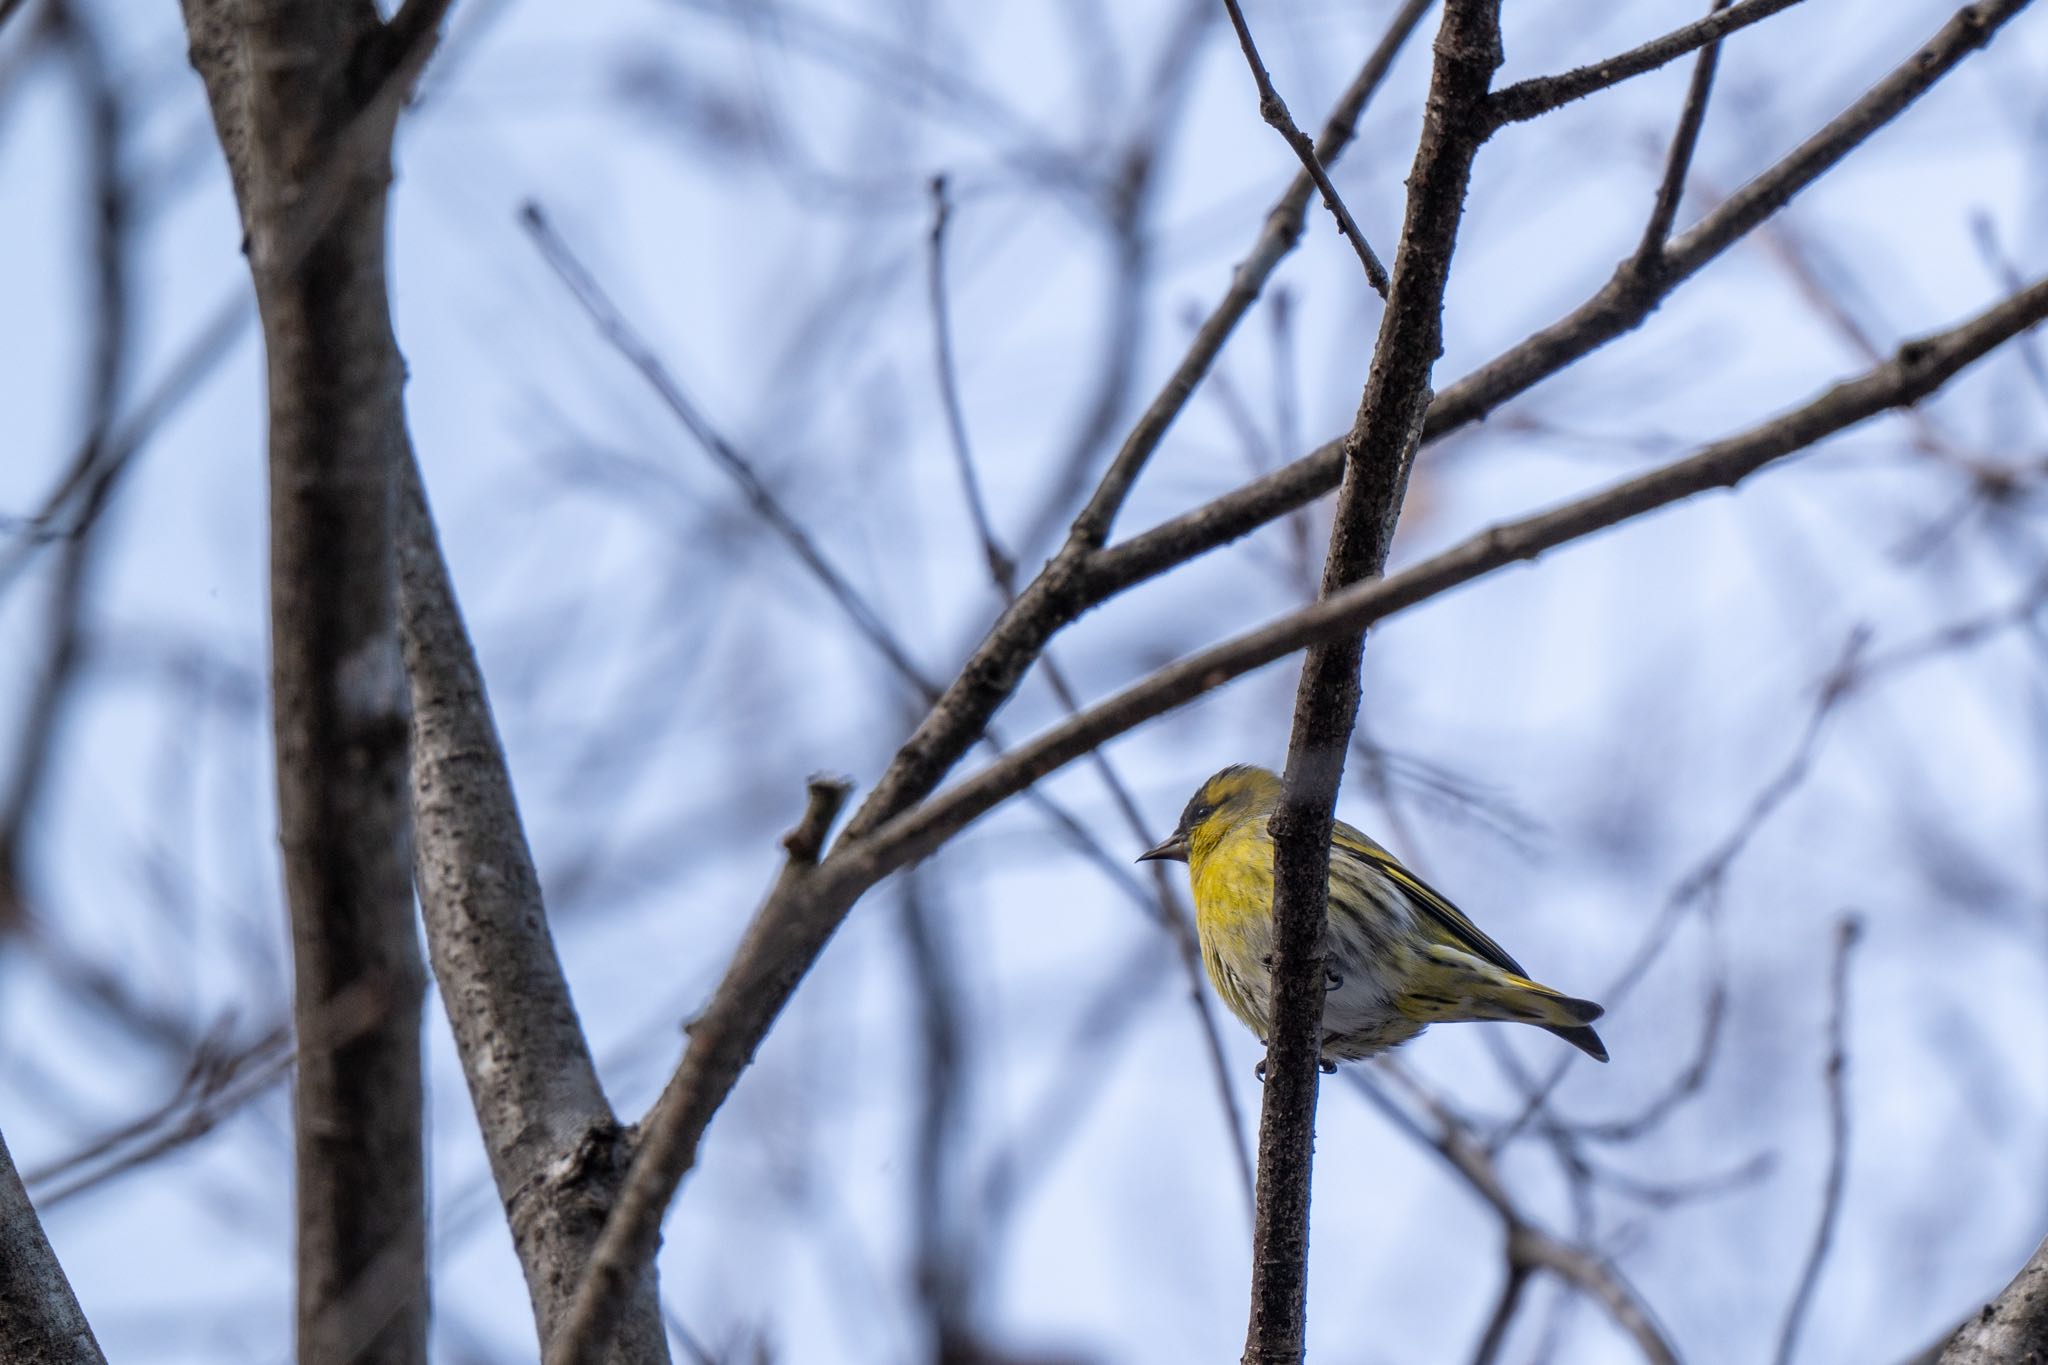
pixel 1487 992
pixel 1565 1015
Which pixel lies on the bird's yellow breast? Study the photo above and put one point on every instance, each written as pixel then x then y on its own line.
pixel 1233 888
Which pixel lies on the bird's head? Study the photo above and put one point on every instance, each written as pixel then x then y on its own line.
pixel 1225 801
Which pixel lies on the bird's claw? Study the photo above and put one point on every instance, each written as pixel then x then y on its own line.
pixel 1323 1064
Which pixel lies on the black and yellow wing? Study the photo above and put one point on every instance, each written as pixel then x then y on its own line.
pixel 1346 842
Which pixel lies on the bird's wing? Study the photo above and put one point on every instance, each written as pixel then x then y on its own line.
pixel 1346 842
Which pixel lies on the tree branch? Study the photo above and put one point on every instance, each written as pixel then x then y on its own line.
pixel 1377 457
pixel 1671 188
pixel 40 1320
pixel 1529 1247
pixel 557 1152
pixel 668 1144
pixel 1529 99
pixel 305 99
pixel 1838 1145
pixel 1273 110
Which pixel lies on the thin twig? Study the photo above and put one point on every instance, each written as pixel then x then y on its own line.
pixel 1846 933
pixel 1525 100
pixel 1701 886
pixel 1514 1280
pixel 1273 110
pixel 628 342
pixel 216 1084
pixel 1528 1247
pixel 1001 567
pixel 1683 142
pixel 622 1252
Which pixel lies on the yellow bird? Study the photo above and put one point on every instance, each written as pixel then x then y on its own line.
pixel 1400 956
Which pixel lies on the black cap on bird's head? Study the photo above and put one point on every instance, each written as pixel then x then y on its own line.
pixel 1232 793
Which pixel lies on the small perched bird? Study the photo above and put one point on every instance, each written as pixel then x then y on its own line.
pixel 1400 956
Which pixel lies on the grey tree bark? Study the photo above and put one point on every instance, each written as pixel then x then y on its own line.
pixel 2010 1330
pixel 40 1320
pixel 558 1153
pixel 305 98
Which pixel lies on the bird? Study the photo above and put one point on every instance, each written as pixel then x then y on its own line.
pixel 1399 956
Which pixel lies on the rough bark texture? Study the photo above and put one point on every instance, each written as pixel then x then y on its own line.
pixel 1377 457
pixel 2013 1328
pixel 557 1152
pixel 300 91
pixel 40 1320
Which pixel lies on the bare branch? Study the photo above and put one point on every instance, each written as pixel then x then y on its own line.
pixel 1846 933
pixel 557 1152
pixel 305 99
pixel 1001 567
pixel 620 334
pixel 1528 99
pixel 1679 162
pixel 1529 1248
pixel 1513 1282
pixel 217 1083
pixel 668 1143
pixel 1273 110
pixel 806 841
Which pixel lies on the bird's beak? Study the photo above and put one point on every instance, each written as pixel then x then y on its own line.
pixel 1175 849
